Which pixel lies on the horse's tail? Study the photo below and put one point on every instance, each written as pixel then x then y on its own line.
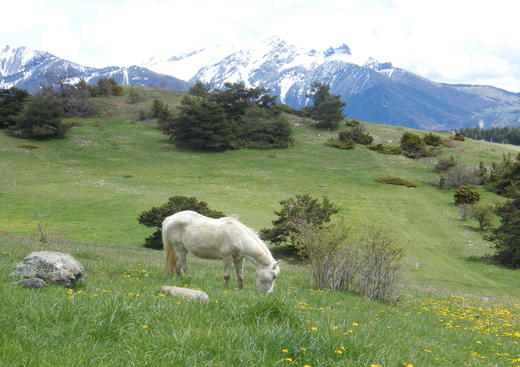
pixel 169 250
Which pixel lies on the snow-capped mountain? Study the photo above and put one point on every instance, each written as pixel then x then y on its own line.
pixel 31 69
pixel 374 91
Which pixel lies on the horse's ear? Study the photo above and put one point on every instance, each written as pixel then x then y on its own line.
pixel 276 264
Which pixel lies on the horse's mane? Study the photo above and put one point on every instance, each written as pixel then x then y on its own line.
pixel 252 232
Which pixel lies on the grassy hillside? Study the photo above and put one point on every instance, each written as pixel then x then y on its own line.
pixel 91 186
pixel 85 192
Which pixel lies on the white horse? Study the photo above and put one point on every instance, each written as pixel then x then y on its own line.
pixel 224 238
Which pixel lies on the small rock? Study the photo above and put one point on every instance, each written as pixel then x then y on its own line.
pixel 185 293
pixel 55 267
pixel 31 283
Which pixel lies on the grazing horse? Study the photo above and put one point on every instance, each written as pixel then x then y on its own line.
pixel 224 238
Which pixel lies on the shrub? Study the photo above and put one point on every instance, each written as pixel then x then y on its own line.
pixel 261 128
pixel 341 144
pixel 460 175
pixel 395 181
pixel 483 214
pixel 380 148
pixel 370 265
pixel 28 146
pixel 457 136
pixel 330 253
pixel 352 123
pixel 444 165
pixel 465 195
pixel 155 216
pixel 42 118
pixel 381 267
pixel 432 139
pixel 356 134
pixel 301 208
pixel 411 143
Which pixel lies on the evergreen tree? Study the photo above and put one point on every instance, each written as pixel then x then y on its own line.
pixel 200 89
pixel 236 98
pixel 12 101
pixel 507 235
pixel 201 124
pixel 41 119
pixel 261 128
pixel 327 108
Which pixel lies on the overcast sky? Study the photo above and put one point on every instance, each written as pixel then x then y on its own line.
pixel 456 41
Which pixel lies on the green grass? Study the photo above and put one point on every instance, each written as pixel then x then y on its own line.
pixel 120 318
pixel 92 185
pixel 89 188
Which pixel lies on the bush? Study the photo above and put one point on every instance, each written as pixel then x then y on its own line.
pixel 380 148
pixel 301 208
pixel 370 265
pixel 483 214
pixel 341 144
pixel 42 118
pixel 411 143
pixel 457 136
pixel 433 140
pixel 352 123
pixel 261 128
pixel 395 181
pixel 465 195
pixel 460 175
pixel 444 165
pixel 155 216
pixel 106 87
pixel 356 134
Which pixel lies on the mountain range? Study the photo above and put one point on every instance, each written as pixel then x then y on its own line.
pixel 374 91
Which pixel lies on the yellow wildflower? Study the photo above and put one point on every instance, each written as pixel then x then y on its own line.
pixel 355 324
pixel 314 328
pixel 288 359
pixel 285 351
pixel 145 326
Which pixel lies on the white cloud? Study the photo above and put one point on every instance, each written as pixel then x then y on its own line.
pixel 446 40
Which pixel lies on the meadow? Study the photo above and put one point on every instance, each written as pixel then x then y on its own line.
pixel 82 195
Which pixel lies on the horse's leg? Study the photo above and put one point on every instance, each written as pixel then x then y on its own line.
pixel 227 269
pixel 239 267
pixel 182 264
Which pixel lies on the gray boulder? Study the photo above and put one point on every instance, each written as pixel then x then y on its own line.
pixel 185 293
pixel 31 283
pixel 54 267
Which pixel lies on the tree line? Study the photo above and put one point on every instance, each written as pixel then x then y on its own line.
pixel 504 135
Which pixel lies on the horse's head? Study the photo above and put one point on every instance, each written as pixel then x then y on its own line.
pixel 266 276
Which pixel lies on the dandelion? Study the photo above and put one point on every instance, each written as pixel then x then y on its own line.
pixel 428 351
pixel 478 342
pixel 355 324
pixel 70 291
pixel 313 328
pixel 334 328
pixel 145 326
pixel 285 351
pixel 306 365
pixel 79 292
pixel 288 359
pixel 338 351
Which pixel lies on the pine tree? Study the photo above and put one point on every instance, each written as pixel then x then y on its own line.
pixel 12 101
pixel 202 125
pixel 507 235
pixel 327 109
pixel 41 119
